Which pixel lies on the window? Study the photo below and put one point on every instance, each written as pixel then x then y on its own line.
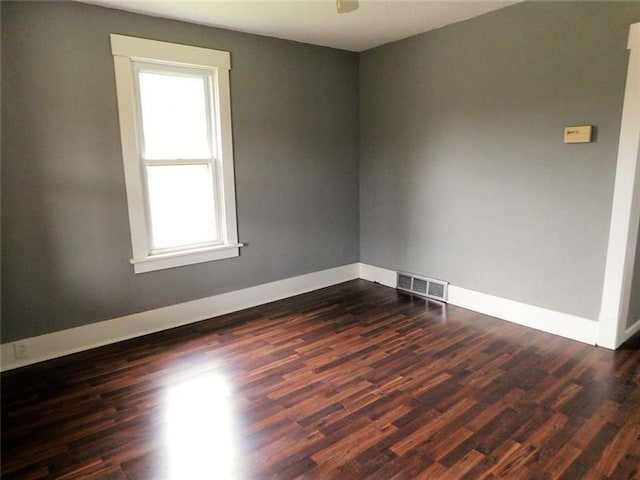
pixel 175 127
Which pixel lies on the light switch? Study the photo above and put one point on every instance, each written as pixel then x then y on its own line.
pixel 579 134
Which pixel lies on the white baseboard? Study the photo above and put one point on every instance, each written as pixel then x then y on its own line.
pixel 378 275
pixel 72 340
pixel 550 321
pixel 565 325
pixel 64 342
pixel 631 331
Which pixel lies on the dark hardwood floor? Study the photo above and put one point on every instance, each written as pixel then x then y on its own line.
pixel 352 381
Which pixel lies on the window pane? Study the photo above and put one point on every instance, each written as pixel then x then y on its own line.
pixel 174 116
pixel 181 205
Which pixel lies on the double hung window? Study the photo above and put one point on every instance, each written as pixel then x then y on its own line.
pixel 175 126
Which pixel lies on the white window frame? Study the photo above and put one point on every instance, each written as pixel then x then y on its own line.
pixel 127 53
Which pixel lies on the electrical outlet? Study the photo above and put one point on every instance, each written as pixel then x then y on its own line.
pixel 20 350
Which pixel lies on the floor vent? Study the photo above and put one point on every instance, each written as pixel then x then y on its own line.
pixel 425 287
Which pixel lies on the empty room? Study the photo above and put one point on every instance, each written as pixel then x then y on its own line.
pixel 373 239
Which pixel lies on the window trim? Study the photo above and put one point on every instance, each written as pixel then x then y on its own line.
pixel 126 52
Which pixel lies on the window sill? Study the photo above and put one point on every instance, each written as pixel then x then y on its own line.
pixel 184 257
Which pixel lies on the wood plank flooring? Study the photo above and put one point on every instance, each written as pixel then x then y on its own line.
pixel 355 381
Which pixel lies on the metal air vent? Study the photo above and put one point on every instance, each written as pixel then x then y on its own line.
pixel 404 281
pixel 426 287
pixel 420 286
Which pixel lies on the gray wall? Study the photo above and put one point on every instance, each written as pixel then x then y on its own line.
pixel 66 244
pixel 464 174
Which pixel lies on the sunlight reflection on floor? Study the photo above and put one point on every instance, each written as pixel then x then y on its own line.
pixel 200 430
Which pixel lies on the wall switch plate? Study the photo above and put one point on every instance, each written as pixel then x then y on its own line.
pixel 579 134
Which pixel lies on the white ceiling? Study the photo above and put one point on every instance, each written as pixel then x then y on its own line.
pixel 315 21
